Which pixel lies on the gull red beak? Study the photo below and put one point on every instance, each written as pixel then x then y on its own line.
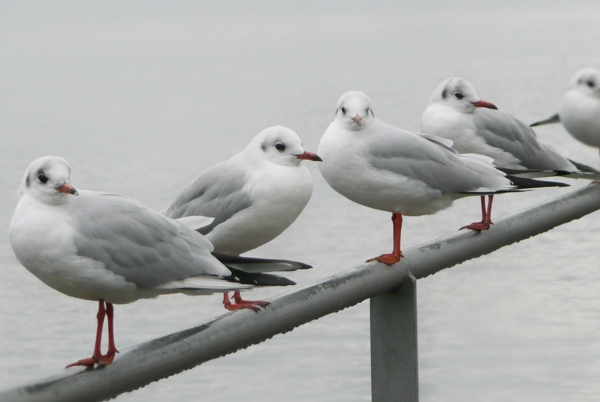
pixel 481 103
pixel 356 119
pixel 67 189
pixel 310 156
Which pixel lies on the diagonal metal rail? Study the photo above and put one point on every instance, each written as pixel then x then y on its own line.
pixel 174 353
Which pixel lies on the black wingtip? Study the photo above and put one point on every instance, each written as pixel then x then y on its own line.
pixel 258 279
pixel 533 173
pixel 584 168
pixel 522 182
pixel 555 118
pixel 236 259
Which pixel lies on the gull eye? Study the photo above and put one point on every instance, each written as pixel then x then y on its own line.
pixel 280 146
pixel 43 178
pixel 367 110
pixel 590 83
pixel 458 95
pixel 343 110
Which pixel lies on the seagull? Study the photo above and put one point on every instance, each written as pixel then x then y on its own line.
pixel 456 112
pixel 110 249
pixel 253 196
pixel 579 111
pixel 384 167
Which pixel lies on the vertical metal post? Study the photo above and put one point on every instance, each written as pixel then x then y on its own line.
pixel 394 354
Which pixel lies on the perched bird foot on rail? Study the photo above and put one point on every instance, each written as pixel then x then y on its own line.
pixel 389 259
pixel 486 216
pixel 102 360
pixel 237 297
pixel 89 362
pixel 478 226
pixel 242 304
pixel 104 309
pixel 396 255
pixel 108 358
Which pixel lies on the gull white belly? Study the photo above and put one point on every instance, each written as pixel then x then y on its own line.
pixel 278 194
pixel 42 238
pixel 349 173
pixel 580 114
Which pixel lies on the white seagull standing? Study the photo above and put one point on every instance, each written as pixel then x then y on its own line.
pixel 456 112
pixel 253 196
pixel 387 168
pixel 579 111
pixel 108 248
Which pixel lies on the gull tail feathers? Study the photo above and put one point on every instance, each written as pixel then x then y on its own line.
pixel 210 284
pixel 584 172
pixel 518 184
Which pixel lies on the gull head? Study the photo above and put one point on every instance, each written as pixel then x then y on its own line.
pixel 460 95
pixel 282 146
pixel 587 81
pixel 354 111
pixel 47 180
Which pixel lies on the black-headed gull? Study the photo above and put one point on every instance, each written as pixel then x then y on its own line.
pixel 456 112
pixel 108 248
pixel 253 196
pixel 387 168
pixel 579 111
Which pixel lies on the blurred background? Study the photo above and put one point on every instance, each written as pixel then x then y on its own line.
pixel 141 96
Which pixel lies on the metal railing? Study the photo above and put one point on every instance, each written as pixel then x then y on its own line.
pixel 392 290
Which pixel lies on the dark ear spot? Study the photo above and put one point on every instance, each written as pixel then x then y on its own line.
pixel 263 146
pixel 444 94
pixel 28 181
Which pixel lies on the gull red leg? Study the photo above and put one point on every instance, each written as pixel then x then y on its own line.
pixel 486 216
pixel 483 213
pixel 112 349
pixel 90 361
pixel 396 255
pixel 242 304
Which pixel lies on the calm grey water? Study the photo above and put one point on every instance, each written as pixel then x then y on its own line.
pixel 140 97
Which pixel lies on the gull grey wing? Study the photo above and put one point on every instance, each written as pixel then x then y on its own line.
pixel 416 157
pixel 501 130
pixel 217 193
pixel 137 243
pixel 446 143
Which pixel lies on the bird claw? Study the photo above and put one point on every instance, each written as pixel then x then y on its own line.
pixel 246 305
pixel 103 360
pixel 389 259
pixel 89 362
pixel 106 359
pixel 478 226
pixel 261 303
